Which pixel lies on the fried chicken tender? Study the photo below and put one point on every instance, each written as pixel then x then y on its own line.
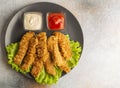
pixel 49 66
pixel 37 67
pixel 30 57
pixel 42 46
pixel 56 55
pixel 54 50
pixel 42 54
pixel 65 67
pixel 23 46
pixel 64 45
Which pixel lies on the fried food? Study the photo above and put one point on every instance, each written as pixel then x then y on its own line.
pixel 42 46
pixel 64 45
pixel 30 57
pixel 56 55
pixel 54 50
pixel 38 52
pixel 42 54
pixel 37 67
pixel 49 66
pixel 65 67
pixel 23 46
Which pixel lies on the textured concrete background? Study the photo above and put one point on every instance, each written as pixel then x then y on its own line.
pixel 99 66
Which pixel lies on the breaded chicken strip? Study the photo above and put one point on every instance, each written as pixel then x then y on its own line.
pixel 56 55
pixel 37 67
pixel 49 66
pixel 23 46
pixel 42 54
pixel 42 46
pixel 30 57
pixel 65 67
pixel 64 45
pixel 53 49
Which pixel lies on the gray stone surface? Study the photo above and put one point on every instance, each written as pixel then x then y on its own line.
pixel 99 65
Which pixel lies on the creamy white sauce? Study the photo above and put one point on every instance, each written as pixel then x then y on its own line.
pixel 32 20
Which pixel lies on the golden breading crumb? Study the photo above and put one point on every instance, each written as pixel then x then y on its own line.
pixel 49 66
pixel 30 57
pixel 55 53
pixel 37 67
pixel 23 46
pixel 42 46
pixel 64 45
pixel 42 54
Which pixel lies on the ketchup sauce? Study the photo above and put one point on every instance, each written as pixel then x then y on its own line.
pixel 56 21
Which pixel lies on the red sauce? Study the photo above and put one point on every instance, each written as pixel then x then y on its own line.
pixel 56 21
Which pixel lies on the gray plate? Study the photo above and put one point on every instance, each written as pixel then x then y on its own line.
pixel 15 27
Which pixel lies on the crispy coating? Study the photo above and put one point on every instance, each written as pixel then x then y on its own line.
pixel 54 50
pixel 37 67
pixel 23 46
pixel 42 54
pixel 49 66
pixel 42 46
pixel 30 57
pixel 37 51
pixel 56 55
pixel 64 45
pixel 65 67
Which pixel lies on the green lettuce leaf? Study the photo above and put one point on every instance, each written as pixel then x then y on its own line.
pixel 11 52
pixel 76 52
pixel 76 49
pixel 45 78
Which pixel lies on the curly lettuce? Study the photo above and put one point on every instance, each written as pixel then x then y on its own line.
pixel 76 49
pixel 44 77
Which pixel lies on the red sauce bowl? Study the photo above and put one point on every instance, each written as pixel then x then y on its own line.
pixel 55 21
